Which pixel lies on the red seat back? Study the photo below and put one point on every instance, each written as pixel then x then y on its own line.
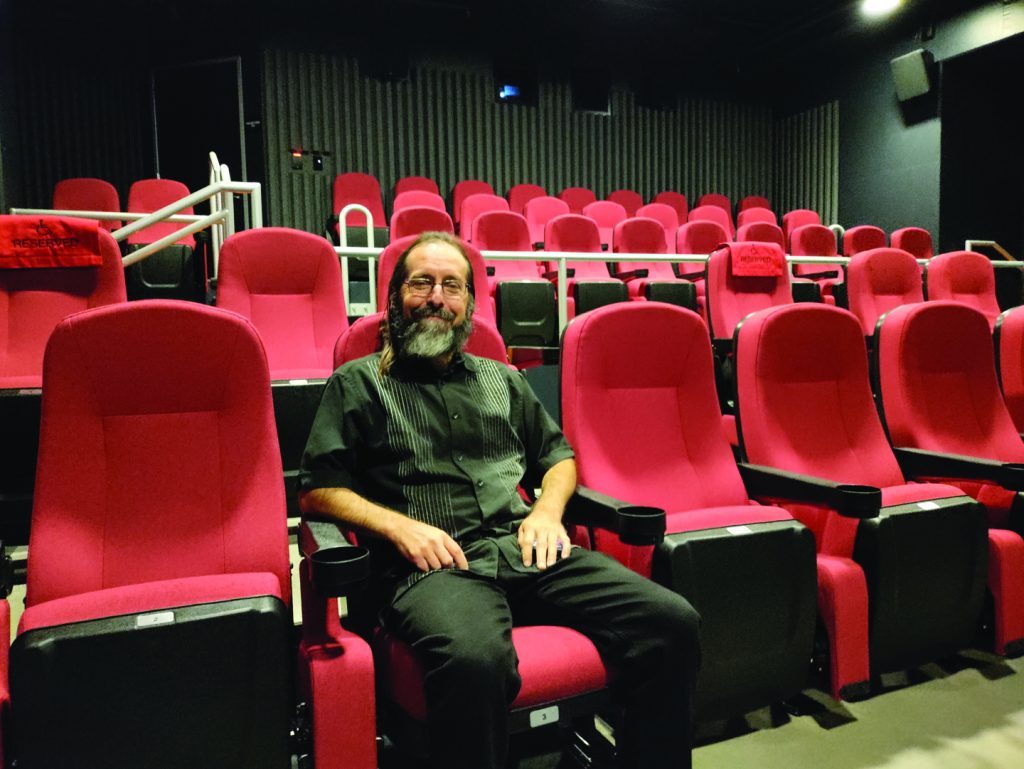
pixel 755 214
pixel 730 297
pixel 520 194
pixel 913 240
pixel 798 217
pixel 577 198
pixel 649 432
pixel 148 195
pixel 754 201
pixel 715 214
pixel 764 232
pixel 86 194
pixel 33 301
pixel 862 238
pixel 966 277
pixel 409 183
pixel 813 240
pixel 501 231
pixel 417 219
pixel 288 284
pixel 473 206
pixel 539 211
pixel 628 199
pixel 666 215
pixel 675 199
pixel 878 281
pixel 364 189
pixel 158 455
pixel 700 237
pixel 641 235
pixel 463 190
pixel 1010 351
pixel 938 385
pixel 421 198
pixel 606 214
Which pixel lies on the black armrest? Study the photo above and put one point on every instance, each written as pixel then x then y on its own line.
pixel 818 275
pixel 851 500
pixel 919 462
pixel 552 274
pixel 692 275
pixel 490 270
pixel 630 274
pixel 336 565
pixel 635 524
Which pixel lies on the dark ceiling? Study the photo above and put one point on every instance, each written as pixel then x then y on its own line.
pixel 745 38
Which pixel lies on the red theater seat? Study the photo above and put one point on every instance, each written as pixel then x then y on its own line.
pixel 743 278
pixel 966 277
pixel 628 199
pixel 410 183
pixel 667 216
pixel 539 211
pixel 1009 343
pixel 675 199
pixel 418 219
pixel 712 213
pixel 520 194
pixel 473 206
pixel 463 190
pixel 862 238
pixel 160 563
pixel 360 188
pixel 288 284
pixel 577 198
pixel 648 433
pixel 422 198
pixel 940 398
pixel 754 201
pixel 85 194
pixel 649 280
pixel 606 214
pixel 880 280
pixel 589 284
pixel 752 215
pixel 798 218
pixel 914 240
pixel 901 566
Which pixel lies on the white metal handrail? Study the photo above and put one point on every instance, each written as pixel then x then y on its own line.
pixel 371 251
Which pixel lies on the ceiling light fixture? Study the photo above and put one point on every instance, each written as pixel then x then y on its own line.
pixel 876 8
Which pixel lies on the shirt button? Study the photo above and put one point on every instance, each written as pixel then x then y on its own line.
pixel 479 484
pixel 455 416
pixel 459 458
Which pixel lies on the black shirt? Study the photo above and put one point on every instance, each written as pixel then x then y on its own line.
pixel 448 449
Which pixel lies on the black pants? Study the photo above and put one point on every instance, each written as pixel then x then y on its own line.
pixel 460 625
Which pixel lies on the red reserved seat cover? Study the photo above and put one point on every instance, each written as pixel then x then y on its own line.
pixel 34 301
pixel 732 297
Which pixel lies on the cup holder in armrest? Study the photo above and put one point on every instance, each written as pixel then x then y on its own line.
pixel 335 570
pixel 858 501
pixel 640 525
pixel 1012 476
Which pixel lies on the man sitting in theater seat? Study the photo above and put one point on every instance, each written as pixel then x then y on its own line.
pixel 421 448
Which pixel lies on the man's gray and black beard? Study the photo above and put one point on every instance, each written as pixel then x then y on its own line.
pixel 422 338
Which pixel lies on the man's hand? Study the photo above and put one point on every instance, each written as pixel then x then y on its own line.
pixel 426 546
pixel 542 532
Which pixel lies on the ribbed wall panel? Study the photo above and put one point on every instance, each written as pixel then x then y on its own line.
pixel 445 123
pixel 806 156
pixel 90 119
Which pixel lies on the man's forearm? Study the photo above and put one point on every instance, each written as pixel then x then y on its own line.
pixel 351 509
pixel 556 487
pixel 424 545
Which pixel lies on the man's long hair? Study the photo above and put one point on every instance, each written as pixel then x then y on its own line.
pixel 394 314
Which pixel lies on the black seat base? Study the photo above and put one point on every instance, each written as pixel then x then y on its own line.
pixel 926 571
pixel 755 587
pixel 204 685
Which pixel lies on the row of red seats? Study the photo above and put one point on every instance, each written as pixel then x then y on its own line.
pixel 364 189
pixel 900 569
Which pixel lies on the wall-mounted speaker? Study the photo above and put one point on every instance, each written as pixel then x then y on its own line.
pixel 911 74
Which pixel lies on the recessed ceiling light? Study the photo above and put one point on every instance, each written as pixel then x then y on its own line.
pixel 879 7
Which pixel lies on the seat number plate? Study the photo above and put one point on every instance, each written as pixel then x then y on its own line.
pixel 156 618
pixel 544 716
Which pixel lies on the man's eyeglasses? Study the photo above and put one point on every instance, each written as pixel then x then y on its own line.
pixel 424 286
